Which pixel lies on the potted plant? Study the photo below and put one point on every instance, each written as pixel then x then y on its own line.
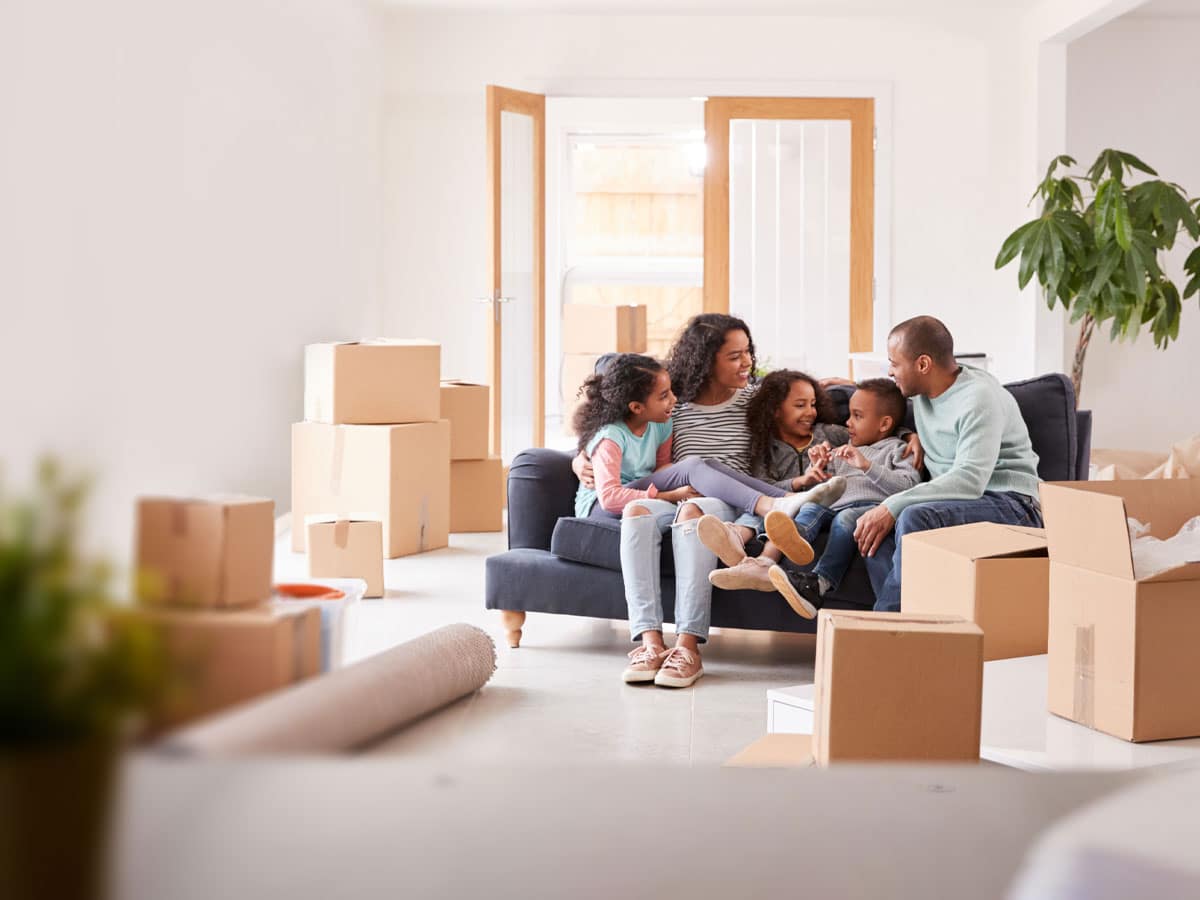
pixel 1100 254
pixel 75 674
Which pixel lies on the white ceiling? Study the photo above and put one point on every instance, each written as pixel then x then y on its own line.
pixel 898 8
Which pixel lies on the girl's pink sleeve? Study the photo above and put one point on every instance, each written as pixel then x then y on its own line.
pixel 662 458
pixel 606 465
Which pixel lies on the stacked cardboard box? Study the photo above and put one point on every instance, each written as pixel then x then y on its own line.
pixel 372 446
pixel 1122 654
pixel 203 580
pixel 476 478
pixel 589 331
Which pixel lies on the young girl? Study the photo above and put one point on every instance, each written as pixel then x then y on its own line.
pixel 624 426
pixel 789 414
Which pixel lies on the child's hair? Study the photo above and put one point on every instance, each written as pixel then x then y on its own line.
pixel 891 401
pixel 760 411
pixel 628 379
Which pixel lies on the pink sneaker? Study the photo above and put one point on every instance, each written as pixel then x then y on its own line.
pixel 644 663
pixel 679 668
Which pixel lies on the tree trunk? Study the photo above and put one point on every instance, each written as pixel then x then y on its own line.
pixel 1086 327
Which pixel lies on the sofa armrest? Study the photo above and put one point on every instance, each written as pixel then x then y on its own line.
pixel 541 490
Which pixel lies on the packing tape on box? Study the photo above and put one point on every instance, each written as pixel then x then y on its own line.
pixel 423 523
pixel 349 708
pixel 1083 708
pixel 179 519
pixel 341 533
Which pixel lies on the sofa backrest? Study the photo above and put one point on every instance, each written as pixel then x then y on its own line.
pixel 1047 405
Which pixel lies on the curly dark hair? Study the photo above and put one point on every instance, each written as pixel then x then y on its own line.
pixel 629 378
pixel 691 359
pixel 760 411
pixel 891 401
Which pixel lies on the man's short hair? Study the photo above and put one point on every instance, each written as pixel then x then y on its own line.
pixel 926 336
pixel 889 400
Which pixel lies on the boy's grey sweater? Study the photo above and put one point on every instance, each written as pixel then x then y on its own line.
pixel 890 473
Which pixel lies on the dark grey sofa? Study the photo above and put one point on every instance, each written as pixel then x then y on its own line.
pixel 559 564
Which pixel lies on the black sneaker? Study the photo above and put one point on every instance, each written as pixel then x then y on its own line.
pixel 802 590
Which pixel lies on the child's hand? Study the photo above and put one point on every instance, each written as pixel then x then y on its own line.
pixel 852 456
pixel 812 477
pixel 679 495
pixel 819 455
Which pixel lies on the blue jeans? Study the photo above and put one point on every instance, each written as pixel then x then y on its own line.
pixel 641 554
pixel 1007 508
pixel 841 548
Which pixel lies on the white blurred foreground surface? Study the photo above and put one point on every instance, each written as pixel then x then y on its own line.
pixel 390 828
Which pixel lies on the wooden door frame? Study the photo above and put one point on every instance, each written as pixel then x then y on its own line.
pixel 501 100
pixel 860 112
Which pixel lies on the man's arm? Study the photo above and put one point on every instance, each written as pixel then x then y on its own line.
pixel 979 434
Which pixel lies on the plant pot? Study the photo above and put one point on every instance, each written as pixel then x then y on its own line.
pixel 55 812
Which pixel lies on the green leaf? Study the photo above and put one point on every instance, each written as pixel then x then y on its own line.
pixel 1134 163
pixel 1013 244
pixel 1121 225
pixel 1032 253
pixel 1135 276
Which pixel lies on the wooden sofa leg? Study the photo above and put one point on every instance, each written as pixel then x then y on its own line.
pixel 512 625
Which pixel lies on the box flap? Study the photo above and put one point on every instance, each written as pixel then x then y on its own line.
pixel 775 751
pixel 1187 572
pixel 888 621
pixel 982 540
pixel 1086 527
pixel 460 382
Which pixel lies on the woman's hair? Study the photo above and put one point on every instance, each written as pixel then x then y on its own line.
pixel 760 411
pixel 691 359
pixel 628 379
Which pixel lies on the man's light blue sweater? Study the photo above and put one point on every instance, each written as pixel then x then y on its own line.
pixel 975 440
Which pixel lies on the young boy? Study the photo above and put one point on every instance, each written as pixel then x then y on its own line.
pixel 874 468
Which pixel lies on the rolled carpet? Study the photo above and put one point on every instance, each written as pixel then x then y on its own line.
pixel 347 708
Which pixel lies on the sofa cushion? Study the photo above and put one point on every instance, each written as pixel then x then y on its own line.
pixel 1047 405
pixel 597 542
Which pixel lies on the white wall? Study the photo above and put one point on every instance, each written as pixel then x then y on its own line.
pixel 190 194
pixel 955 148
pixel 1132 85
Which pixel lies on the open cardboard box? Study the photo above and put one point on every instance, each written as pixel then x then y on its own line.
pixel 997 576
pixel 1122 650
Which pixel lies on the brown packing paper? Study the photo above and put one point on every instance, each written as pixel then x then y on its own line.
pixel 372 382
pixel 476 495
pixel 997 576
pixel 893 686
pixel 347 549
pixel 603 328
pixel 398 474
pixel 467 408
pixel 214 552
pixel 1121 650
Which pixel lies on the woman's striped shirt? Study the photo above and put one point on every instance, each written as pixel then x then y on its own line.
pixel 714 432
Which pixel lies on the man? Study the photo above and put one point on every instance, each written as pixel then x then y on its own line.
pixel 977 451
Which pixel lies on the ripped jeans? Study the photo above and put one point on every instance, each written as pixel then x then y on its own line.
pixel 641 556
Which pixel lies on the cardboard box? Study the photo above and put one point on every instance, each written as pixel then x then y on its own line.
pixel 477 495
pixel 576 368
pixel 467 407
pixel 1122 650
pixel 893 686
pixel 997 576
pixel 775 751
pixel 398 474
pixel 205 552
pixel 218 659
pixel 380 382
pixel 601 328
pixel 345 548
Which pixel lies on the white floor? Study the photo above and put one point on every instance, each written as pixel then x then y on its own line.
pixel 559 696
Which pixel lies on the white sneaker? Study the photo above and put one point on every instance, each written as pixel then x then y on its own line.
pixel 826 494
